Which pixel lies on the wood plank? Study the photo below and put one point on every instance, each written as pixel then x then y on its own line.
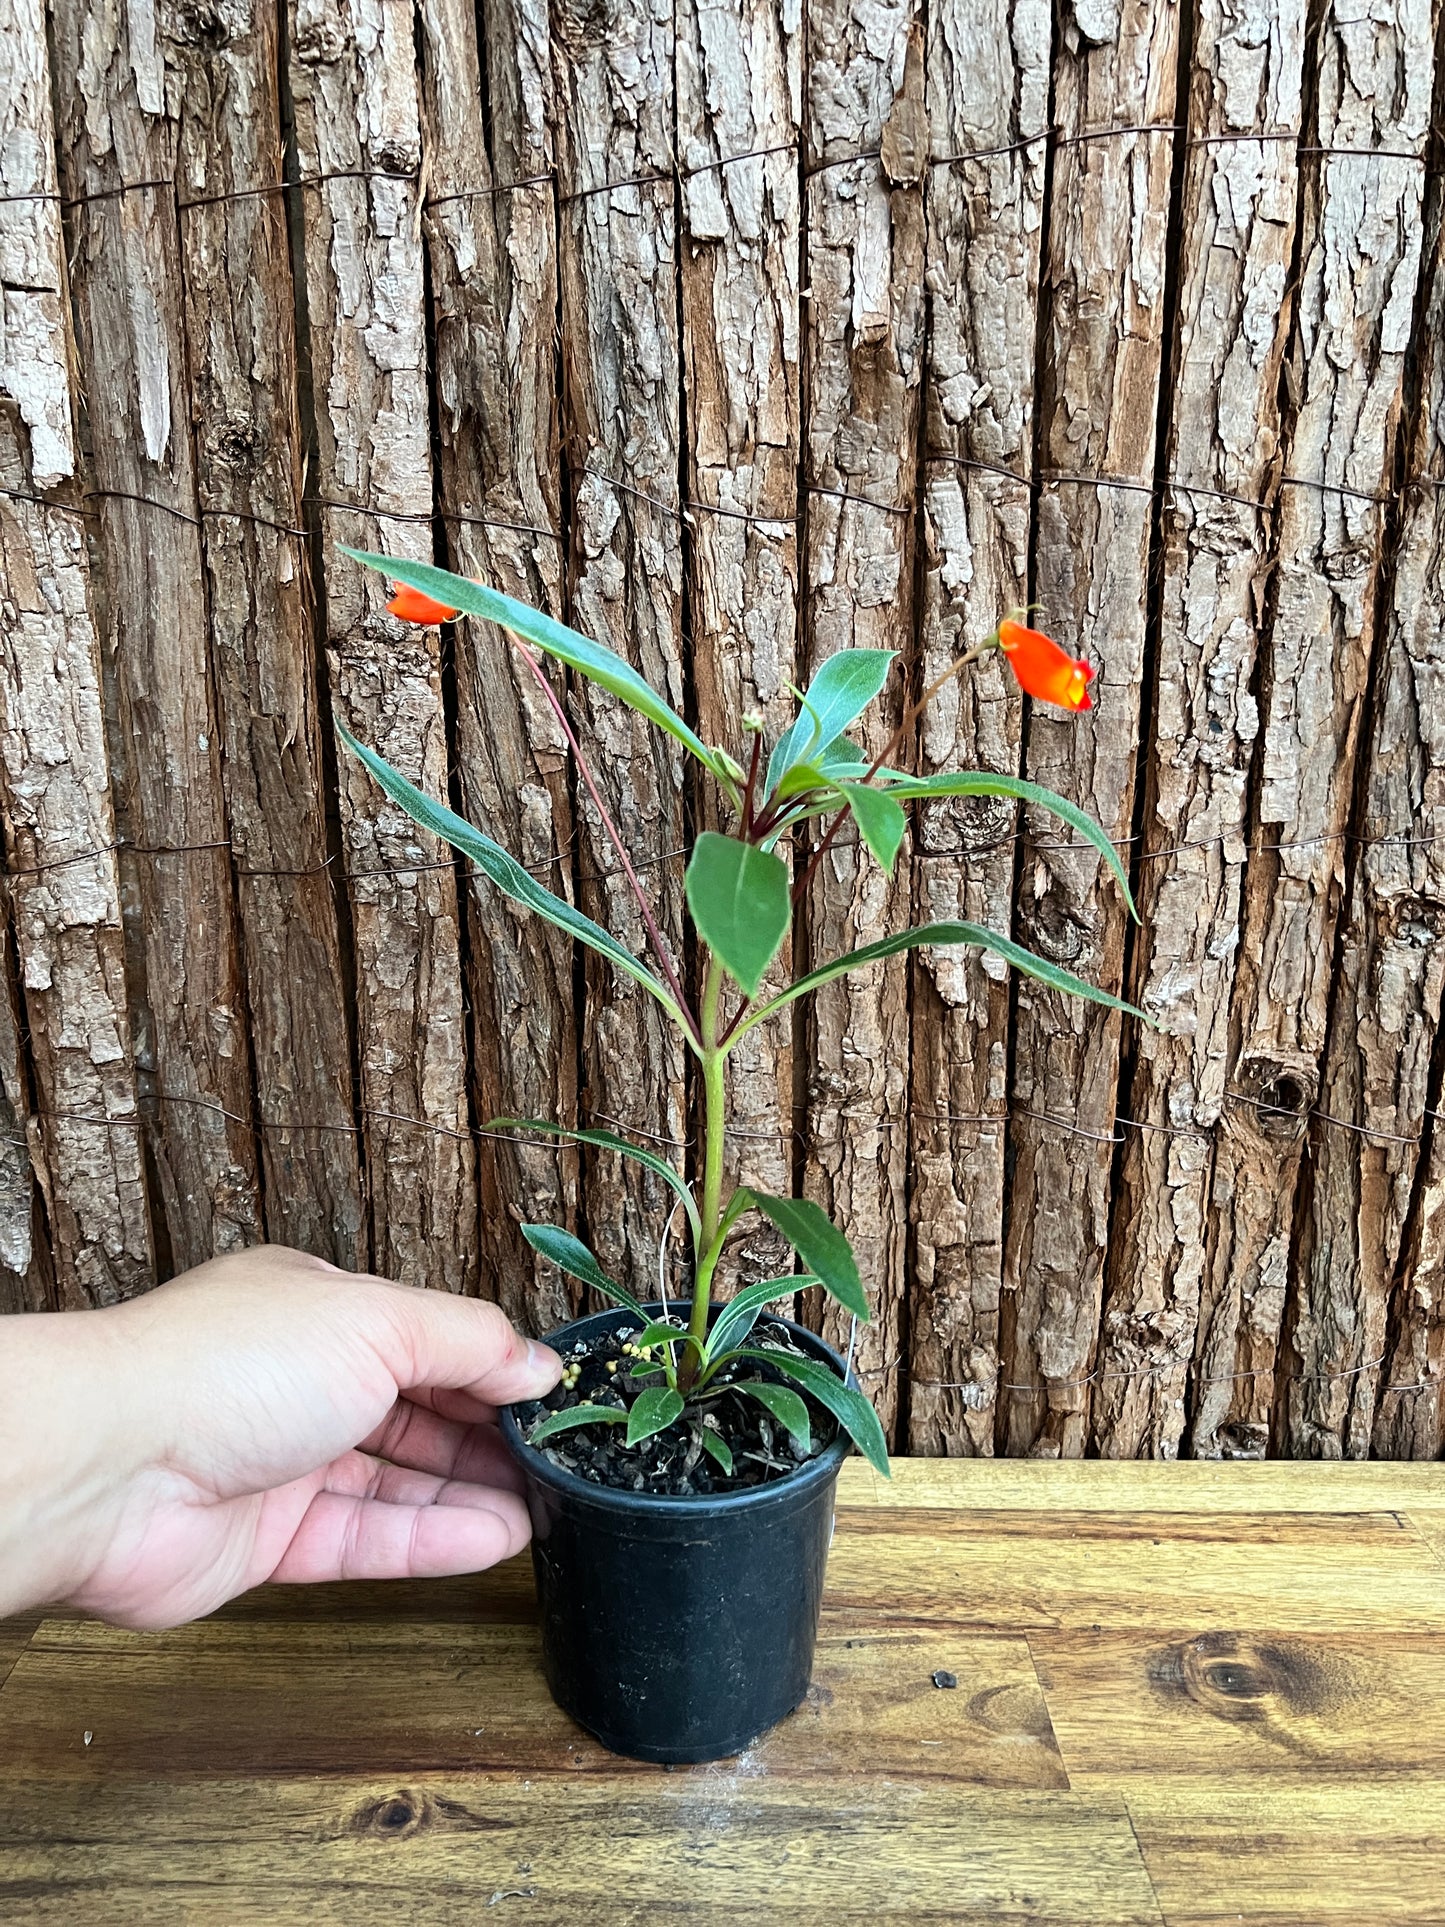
pixel 314 1695
pixel 679 1847
pixel 1316 1855
pixel 988 93
pixel 1430 1526
pixel 1131 1709
pixel 1094 1485
pixel 1108 235
pixel 1237 224
pixel 15 1634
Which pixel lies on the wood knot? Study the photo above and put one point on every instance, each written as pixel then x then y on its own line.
pixel 396 1816
pixel 1278 1096
pixel 1234 1678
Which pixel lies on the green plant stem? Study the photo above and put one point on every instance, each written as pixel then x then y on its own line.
pixel 714 1088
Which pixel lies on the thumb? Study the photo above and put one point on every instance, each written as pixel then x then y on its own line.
pixel 463 1344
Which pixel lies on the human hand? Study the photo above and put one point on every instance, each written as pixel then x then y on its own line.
pixel 263 1417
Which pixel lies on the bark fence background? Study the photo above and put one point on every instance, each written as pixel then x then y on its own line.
pixel 736 334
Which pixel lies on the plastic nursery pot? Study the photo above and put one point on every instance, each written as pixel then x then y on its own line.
pixel 678 1629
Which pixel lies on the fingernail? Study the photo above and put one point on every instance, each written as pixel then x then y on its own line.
pixel 542 1360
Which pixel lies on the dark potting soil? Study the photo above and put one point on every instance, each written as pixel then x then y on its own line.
pixel 673 1463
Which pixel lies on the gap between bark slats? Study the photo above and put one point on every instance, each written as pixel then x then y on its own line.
pixel 1386 1014
pixel 117 123
pixel 1359 254
pixel 494 294
pixel 54 764
pixel 240 327
pixel 25 1280
pixel 1108 233
pixel 1237 233
pixel 739 80
pixel 988 88
pixel 618 263
pixel 863 348
pixel 354 88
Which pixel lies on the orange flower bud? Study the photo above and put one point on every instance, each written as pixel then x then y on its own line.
pixel 410 605
pixel 1044 670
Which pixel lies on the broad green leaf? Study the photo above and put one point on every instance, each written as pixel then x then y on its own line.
pixel 575 1415
pixel 591 659
pixel 505 871
pixel 606 1141
pixel 822 1248
pixel 741 903
pixel 977 782
pixel 654 1411
pixel 800 779
pixel 716 1448
pixel 850 1408
pixel 842 689
pixel 787 1408
pixel 841 757
pixel 569 1254
pixel 740 1313
pixel 881 822
pixel 941 934
pixel 666 1335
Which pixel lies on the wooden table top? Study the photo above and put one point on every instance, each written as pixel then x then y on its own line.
pixel 1186 1694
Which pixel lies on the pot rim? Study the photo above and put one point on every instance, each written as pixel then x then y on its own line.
pixel 796 1485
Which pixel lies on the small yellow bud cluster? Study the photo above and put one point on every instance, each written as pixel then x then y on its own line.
pixel 629 1350
pixel 571 1372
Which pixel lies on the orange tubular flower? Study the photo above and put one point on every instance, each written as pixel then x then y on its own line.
pixel 410 605
pixel 1045 671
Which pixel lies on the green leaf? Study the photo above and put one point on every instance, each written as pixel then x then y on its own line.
pixel 982 783
pixel 739 1314
pixel 654 1411
pixel 573 1416
pixel 942 934
pixel 569 1254
pixel 881 822
pixel 741 903
pixel 850 1408
pixel 505 871
pixel 822 1248
pixel 842 689
pixel 716 1448
pixel 591 659
pixel 606 1141
pixel 786 1407
pixel 666 1335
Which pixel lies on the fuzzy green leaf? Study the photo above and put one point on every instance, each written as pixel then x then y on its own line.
pixel 822 1248
pixel 881 822
pixel 654 1411
pixel 850 1408
pixel 572 1417
pixel 842 689
pixel 569 1254
pixel 788 1408
pixel 741 903
pixel 505 871
pixel 607 1141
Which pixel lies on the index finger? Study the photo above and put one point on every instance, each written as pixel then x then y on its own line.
pixel 432 1341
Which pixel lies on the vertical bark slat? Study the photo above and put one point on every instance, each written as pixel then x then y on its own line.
pixel 54 764
pixel 863 349
pixel 240 324
pixel 988 89
pixel 1237 233
pixel 25 1283
pixel 1359 254
pixel 118 127
pixel 620 355
pixel 1108 232
pixel 739 79
pixel 493 266
pixel 354 86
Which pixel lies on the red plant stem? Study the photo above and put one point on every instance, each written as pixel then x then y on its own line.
pixel 747 822
pixel 668 969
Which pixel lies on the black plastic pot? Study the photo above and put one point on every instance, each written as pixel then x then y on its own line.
pixel 678 1629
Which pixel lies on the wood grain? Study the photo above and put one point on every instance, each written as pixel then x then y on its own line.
pixel 1106 263
pixel 988 86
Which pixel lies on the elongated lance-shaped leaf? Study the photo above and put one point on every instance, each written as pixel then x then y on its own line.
pixel 653 1411
pixel 569 1254
pixel 977 782
pixel 666 1335
pixel 842 689
pixel 607 1141
pixel 881 822
pixel 591 659
pixel 788 1408
pixel 740 901
pixel 822 1248
pixel 574 1416
pixel 508 875
pixel 715 1447
pixel 850 1408
pixel 740 1313
pixel 942 934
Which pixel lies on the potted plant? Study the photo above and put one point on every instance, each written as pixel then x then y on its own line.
pixel 681 1476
